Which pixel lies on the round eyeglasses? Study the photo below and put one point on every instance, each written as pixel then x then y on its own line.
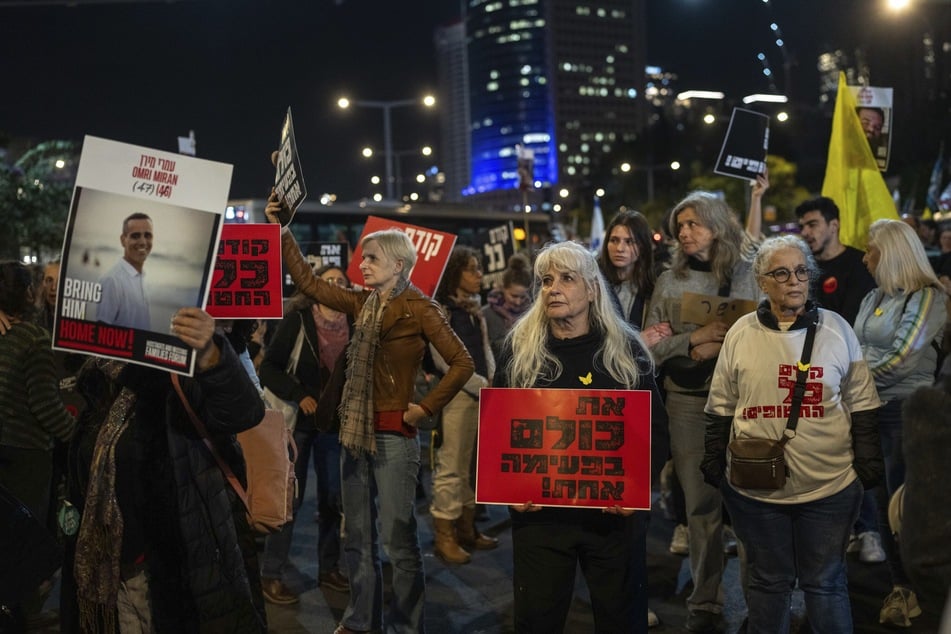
pixel 782 275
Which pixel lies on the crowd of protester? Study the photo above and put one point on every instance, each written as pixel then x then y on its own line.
pixel 162 544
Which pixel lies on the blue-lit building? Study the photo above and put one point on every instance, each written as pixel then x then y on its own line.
pixel 560 77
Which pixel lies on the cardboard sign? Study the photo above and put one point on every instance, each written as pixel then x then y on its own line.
pixel 289 177
pixel 703 309
pixel 873 106
pixel 497 246
pixel 246 283
pixel 561 447
pixel 432 252
pixel 743 154
pixel 123 279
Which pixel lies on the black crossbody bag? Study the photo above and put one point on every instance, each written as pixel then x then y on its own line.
pixel 760 463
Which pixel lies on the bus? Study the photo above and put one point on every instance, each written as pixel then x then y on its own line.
pixel 343 222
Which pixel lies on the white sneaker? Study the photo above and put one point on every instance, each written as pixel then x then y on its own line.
pixel 900 607
pixel 854 544
pixel 679 543
pixel 870 549
pixel 652 619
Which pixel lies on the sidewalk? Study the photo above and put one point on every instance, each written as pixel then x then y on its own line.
pixel 477 598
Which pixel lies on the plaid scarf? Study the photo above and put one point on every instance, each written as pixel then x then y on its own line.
pixel 100 535
pixel 357 432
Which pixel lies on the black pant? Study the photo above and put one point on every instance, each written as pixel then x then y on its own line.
pixel 612 553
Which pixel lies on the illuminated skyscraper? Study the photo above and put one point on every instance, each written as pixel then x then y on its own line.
pixel 562 78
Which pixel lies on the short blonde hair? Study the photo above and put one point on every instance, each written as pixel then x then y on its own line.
pixel 396 245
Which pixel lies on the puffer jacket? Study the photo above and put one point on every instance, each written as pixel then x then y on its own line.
pixel 410 320
pixel 182 521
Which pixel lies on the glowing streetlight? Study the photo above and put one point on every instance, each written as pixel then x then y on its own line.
pixel 386 106
pixel 367 152
pixel 782 117
pixel 675 165
pixel 625 167
pixel 563 192
pixel 709 118
pixel 599 192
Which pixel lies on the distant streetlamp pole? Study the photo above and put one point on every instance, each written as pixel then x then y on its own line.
pixel 429 101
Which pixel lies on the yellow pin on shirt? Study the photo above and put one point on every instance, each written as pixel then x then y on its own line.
pixel 585 380
pixel 803 367
pixel 878 312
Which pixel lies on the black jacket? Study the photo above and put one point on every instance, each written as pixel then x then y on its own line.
pixel 180 515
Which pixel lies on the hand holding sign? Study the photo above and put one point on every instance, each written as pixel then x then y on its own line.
pixel 288 178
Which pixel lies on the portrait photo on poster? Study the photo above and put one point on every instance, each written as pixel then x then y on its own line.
pixel 112 237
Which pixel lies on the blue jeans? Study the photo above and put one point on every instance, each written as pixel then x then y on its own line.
pixel 277 547
pixel 786 542
pixel 383 487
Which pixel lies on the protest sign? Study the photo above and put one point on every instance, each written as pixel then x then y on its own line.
pixel 561 447
pixel 288 177
pixel 246 283
pixel 432 252
pixel 496 246
pixel 743 154
pixel 320 254
pixel 703 309
pixel 873 105
pixel 140 243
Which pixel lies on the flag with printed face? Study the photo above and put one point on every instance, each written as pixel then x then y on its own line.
pixel 852 177
pixel 597 227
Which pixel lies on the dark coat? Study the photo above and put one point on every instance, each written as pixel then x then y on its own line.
pixel 182 521
pixel 926 516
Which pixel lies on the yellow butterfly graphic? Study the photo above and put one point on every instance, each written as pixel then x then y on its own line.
pixel 585 380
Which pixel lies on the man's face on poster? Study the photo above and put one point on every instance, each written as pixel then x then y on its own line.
pixel 137 242
pixel 872 122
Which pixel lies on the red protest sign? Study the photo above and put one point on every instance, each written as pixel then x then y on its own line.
pixel 247 281
pixel 559 447
pixel 432 252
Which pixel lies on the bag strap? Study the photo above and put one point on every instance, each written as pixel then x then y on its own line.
pixel 295 352
pixel 799 391
pixel 203 432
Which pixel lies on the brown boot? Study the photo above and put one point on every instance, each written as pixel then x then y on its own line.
pixel 447 548
pixel 469 537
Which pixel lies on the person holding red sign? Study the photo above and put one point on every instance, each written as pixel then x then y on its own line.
pixel 393 324
pixel 453 505
pixel 573 337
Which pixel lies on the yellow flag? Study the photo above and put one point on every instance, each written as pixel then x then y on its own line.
pixel 852 178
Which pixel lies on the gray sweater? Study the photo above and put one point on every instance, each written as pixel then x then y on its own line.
pixel 666 303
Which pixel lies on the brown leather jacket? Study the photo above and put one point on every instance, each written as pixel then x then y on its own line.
pixel 410 320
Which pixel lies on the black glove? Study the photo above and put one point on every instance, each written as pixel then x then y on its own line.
pixel 867 448
pixel 715 440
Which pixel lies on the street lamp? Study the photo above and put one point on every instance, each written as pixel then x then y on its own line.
pixel 425 150
pixel 386 106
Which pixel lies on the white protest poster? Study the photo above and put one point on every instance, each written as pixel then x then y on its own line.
pixel 140 243
pixel 873 105
pixel 743 154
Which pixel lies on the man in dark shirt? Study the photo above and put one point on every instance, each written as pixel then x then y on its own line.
pixel 843 279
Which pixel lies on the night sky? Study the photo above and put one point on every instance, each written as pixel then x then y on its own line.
pixel 147 73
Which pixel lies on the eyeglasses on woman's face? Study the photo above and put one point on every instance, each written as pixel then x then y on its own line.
pixel 783 274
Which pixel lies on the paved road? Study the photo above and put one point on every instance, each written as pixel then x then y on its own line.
pixel 477 598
